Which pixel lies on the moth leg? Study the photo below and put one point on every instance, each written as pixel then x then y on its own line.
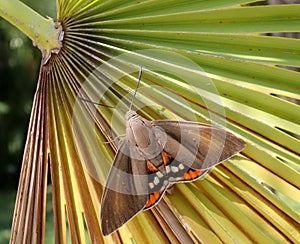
pixel 116 140
pixel 170 190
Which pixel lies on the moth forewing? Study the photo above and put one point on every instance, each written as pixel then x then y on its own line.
pixel 200 146
pixel 125 193
pixel 139 172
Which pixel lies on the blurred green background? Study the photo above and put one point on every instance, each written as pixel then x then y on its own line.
pixel 19 66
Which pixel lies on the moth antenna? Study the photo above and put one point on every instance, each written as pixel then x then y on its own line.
pixel 100 104
pixel 137 86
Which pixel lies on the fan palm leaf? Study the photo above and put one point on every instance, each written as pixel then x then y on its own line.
pixel 205 61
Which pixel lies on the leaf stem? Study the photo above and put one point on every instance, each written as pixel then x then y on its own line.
pixel 44 32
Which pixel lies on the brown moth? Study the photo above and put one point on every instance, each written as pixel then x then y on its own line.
pixel 155 155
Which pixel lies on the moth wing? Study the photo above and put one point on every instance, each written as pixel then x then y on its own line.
pixel 200 146
pixel 126 188
pixel 189 175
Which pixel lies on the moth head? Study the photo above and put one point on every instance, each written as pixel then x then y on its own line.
pixel 130 114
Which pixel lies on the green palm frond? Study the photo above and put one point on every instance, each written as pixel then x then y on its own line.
pixel 205 61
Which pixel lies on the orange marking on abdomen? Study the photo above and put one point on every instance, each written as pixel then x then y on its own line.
pixel 166 158
pixel 151 168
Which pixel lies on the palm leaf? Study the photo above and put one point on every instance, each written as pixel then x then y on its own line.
pixel 204 61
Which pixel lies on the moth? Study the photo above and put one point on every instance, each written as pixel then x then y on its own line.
pixel 155 155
